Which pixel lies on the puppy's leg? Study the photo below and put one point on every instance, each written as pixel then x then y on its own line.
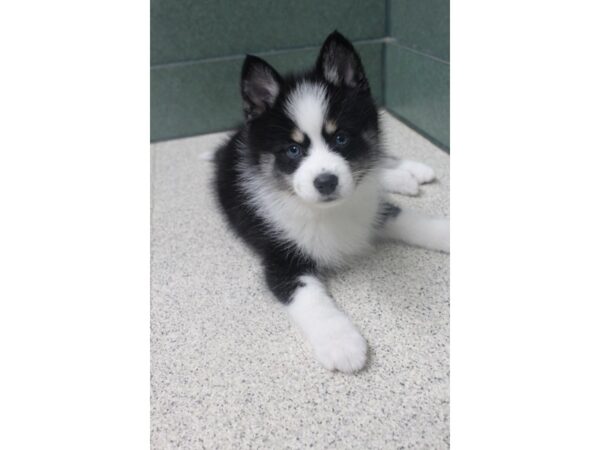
pixel 405 176
pixel 399 181
pixel 336 342
pixel 415 228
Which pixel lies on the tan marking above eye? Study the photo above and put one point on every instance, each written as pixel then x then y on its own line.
pixel 330 127
pixel 298 136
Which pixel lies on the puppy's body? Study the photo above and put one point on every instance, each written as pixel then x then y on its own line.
pixel 303 182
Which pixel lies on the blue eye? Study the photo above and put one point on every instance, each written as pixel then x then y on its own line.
pixel 341 139
pixel 293 151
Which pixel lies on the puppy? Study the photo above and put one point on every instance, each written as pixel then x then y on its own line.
pixel 303 183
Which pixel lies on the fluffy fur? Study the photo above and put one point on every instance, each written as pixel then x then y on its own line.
pixel 302 182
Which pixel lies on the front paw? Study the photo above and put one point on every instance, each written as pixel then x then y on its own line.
pixel 400 181
pixel 422 172
pixel 339 345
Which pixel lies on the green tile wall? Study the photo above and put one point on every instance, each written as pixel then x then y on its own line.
pixel 422 25
pixel 184 30
pixel 417 66
pixel 417 90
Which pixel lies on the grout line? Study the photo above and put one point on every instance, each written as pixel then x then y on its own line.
pixel 231 129
pixel 265 53
pixel 417 52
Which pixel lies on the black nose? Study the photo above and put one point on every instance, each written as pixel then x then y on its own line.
pixel 326 183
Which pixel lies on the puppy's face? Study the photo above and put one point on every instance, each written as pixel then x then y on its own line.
pixel 316 135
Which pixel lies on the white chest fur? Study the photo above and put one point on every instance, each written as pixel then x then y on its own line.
pixel 330 235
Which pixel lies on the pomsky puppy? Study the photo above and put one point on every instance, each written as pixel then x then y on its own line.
pixel 303 182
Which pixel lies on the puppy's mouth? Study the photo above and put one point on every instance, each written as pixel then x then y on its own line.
pixel 329 201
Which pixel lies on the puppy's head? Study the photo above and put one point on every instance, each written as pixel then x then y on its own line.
pixel 316 133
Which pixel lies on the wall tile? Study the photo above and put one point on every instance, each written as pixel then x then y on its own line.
pixel 417 88
pixel 185 30
pixel 203 97
pixel 422 25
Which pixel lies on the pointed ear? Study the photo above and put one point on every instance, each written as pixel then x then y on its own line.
pixel 340 64
pixel 260 84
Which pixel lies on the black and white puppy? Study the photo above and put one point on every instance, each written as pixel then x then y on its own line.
pixel 303 183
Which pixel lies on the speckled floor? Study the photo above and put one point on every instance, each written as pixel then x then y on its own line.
pixel 228 369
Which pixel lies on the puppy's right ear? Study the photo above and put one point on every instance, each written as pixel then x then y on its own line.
pixel 261 85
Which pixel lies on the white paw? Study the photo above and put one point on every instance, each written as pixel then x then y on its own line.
pixel 399 181
pixel 339 346
pixel 336 342
pixel 422 172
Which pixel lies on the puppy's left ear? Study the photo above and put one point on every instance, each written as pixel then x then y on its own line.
pixel 340 64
